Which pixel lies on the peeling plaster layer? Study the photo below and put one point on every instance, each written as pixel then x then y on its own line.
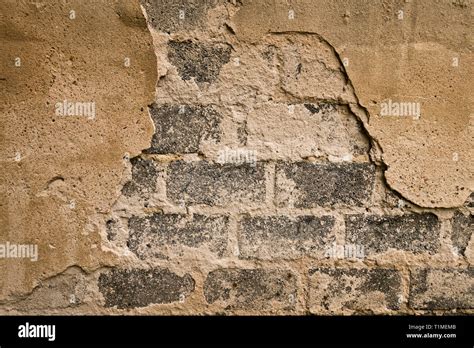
pixel 405 57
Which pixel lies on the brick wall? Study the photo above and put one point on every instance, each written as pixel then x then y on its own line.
pixel 263 189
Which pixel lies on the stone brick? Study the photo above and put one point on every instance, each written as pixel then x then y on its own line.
pixel 144 177
pixel 111 227
pixel 164 15
pixel 417 233
pixel 132 288
pixel 462 229
pixel 165 235
pixel 215 184
pixel 338 290
pixel 200 61
pixel 281 131
pixel 470 201
pixel 322 108
pixel 268 237
pixel 445 288
pixel 305 184
pixel 251 289
pixel 182 128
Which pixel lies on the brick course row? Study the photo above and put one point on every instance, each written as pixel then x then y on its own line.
pixel 331 290
pixel 161 235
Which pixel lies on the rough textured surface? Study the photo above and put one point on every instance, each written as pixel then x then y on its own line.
pixel 312 129
pixel 140 288
pixel 215 184
pixel 416 233
pixel 334 290
pixel 65 291
pixel 447 289
pixel 281 167
pixel 157 235
pixel 166 16
pixel 200 62
pixel 144 178
pixel 251 289
pixel 406 58
pixel 61 171
pixel 470 201
pixel 462 230
pixel 307 185
pixel 181 128
pixel 273 237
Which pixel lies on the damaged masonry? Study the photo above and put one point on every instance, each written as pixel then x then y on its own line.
pixel 214 157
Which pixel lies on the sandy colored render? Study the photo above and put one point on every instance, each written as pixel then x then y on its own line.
pixel 61 171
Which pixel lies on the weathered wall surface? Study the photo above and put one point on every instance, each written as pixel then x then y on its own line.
pixel 61 172
pixel 297 157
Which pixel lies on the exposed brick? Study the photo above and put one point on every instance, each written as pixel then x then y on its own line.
pixel 462 229
pixel 442 289
pixel 305 184
pixel 251 289
pixel 302 70
pixel 144 177
pixel 111 229
pixel 215 184
pixel 123 288
pixel 164 235
pixel 337 290
pixel 307 130
pixel 182 128
pixel 470 201
pixel 200 61
pixel 417 233
pixel 268 237
pixel 163 15
pixel 322 108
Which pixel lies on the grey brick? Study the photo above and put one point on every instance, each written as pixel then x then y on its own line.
pixel 251 289
pixel 111 229
pixel 268 237
pixel 164 235
pixel 182 128
pixel 200 61
pixel 445 288
pixel 123 288
pixel 470 201
pixel 144 176
pixel 305 184
pixel 322 108
pixel 163 15
pixel 215 184
pixel 462 229
pixel 338 290
pixel 417 233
